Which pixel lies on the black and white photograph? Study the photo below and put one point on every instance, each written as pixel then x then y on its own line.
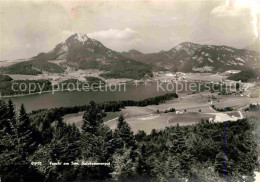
pixel 129 90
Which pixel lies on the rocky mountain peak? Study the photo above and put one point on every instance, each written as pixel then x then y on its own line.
pixel 77 38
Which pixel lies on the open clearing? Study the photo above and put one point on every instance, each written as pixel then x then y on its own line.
pixel 189 118
pixel 146 121
pixel 147 118
pixel 74 118
pixel 236 101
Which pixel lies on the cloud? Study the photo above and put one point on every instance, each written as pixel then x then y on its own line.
pixel 238 8
pixel 116 34
pixel 67 33
pixel 148 26
pixel 224 11
pixel 118 39
pixel 28 46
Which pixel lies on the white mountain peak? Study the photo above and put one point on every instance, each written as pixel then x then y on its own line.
pixel 81 37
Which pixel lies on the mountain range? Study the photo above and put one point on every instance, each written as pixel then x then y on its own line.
pixel 81 52
pixel 188 57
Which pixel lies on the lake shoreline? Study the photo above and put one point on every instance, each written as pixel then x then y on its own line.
pixel 54 91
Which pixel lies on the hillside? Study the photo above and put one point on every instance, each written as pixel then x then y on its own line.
pixel 205 58
pixel 82 52
pixel 32 68
pixel 244 76
pixel 133 54
pixel 7 86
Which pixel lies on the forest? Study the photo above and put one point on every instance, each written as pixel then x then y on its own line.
pixel 225 109
pixel 8 86
pixel 244 76
pixel 6 83
pixel 126 69
pixel 94 80
pixel 253 107
pixel 200 152
pixel 32 67
pixel 23 68
pixel 110 106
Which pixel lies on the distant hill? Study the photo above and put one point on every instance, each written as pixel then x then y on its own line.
pixel 32 68
pixel 244 76
pixel 133 54
pixel 205 58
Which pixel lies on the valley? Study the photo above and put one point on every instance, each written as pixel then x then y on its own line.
pixel 190 109
pixel 85 60
pixel 130 91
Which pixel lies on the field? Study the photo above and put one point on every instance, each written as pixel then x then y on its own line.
pixel 189 118
pixel 234 101
pixel 190 109
pixel 190 103
pixel 74 118
pixel 206 77
pixel 255 92
pixel 190 76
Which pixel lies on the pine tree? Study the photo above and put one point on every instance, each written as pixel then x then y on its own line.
pixel 63 147
pixel 177 141
pixel 23 133
pixel 143 167
pixel 10 116
pixel 173 167
pixel 221 164
pixel 11 111
pixel 124 132
pixel 4 122
pixel 179 149
pixel 65 143
pixel 18 146
pixel 45 130
pixel 93 137
pixel 94 141
pixel 92 118
pixel 7 152
pixel 123 165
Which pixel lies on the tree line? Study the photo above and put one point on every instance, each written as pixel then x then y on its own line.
pixel 110 106
pixel 225 109
pixel 253 107
pixel 8 86
pixel 245 75
pixel 32 67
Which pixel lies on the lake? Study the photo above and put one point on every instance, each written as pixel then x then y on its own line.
pixel 74 98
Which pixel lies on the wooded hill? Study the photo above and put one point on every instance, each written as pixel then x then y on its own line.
pixel 201 152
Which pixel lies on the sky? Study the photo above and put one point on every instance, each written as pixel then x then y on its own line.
pixel 34 26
